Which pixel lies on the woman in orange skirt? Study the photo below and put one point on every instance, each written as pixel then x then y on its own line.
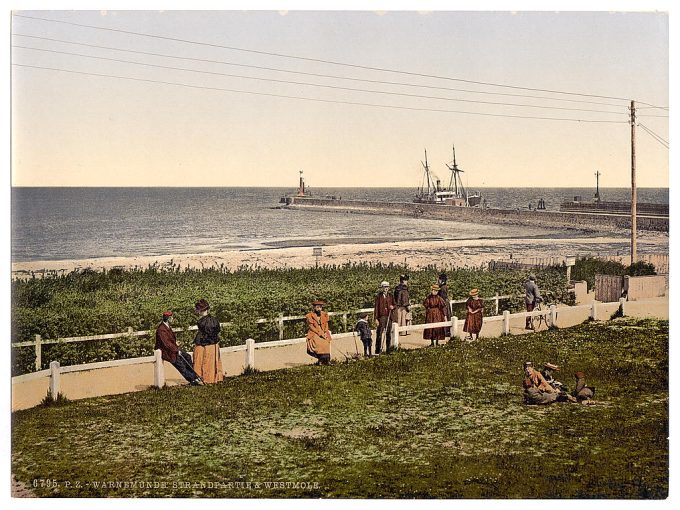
pixel 207 362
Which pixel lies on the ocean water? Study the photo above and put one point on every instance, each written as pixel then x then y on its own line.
pixel 78 223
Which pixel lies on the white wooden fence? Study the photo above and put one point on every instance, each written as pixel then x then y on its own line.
pixel 280 320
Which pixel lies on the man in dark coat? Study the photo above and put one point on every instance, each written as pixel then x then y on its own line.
pixel 401 301
pixel 166 341
pixel 444 294
pixel 382 312
pixel 532 296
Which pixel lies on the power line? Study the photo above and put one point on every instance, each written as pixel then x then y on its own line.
pixel 655 136
pixel 309 59
pixel 302 98
pixel 335 87
pixel 648 107
pixel 318 75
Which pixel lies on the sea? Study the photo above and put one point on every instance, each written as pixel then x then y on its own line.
pixel 60 223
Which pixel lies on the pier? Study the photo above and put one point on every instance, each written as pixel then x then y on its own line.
pixel 596 221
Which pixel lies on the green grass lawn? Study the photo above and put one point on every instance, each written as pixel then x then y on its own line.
pixel 446 422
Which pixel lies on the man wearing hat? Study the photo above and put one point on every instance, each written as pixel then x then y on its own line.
pixel 318 334
pixel 166 341
pixel 382 313
pixel 532 296
pixel 401 301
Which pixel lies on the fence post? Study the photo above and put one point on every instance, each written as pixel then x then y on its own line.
pixel 622 304
pixel 280 321
pixel 55 373
pixel 250 354
pixel 158 369
pixel 395 335
pixel 553 315
pixel 344 321
pixel 506 322
pixel 496 299
pixel 454 327
pixel 38 352
pixel 130 330
pixel 593 311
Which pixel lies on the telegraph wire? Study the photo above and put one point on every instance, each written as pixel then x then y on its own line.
pixel 318 60
pixel 319 75
pixel 302 98
pixel 655 136
pixel 335 87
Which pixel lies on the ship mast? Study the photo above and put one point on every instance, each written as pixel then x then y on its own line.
pixel 456 183
pixel 431 188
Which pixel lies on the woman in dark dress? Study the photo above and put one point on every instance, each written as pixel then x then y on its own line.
pixel 207 362
pixel 435 311
pixel 475 314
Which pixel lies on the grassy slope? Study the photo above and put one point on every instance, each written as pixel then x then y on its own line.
pixel 442 422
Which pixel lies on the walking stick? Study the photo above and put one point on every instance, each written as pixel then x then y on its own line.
pixel 388 326
pixel 354 334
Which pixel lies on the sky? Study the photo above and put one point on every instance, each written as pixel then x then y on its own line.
pixel 219 119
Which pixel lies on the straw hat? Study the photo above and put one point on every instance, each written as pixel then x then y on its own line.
pixel 385 284
pixel 318 302
pixel 474 292
pixel 435 287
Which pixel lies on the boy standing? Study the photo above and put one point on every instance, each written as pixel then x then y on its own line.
pixel 364 331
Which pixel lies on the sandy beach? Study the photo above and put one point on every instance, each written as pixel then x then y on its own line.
pixel 442 253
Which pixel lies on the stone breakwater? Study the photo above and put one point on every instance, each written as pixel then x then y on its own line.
pixel 580 221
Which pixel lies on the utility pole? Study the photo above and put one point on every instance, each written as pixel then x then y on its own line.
pixel 633 198
pixel 597 186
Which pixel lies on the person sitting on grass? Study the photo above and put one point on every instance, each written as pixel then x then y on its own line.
pixel 364 331
pixel 475 315
pixel 318 334
pixel 537 391
pixel 166 341
pixel 583 393
pixel 547 373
